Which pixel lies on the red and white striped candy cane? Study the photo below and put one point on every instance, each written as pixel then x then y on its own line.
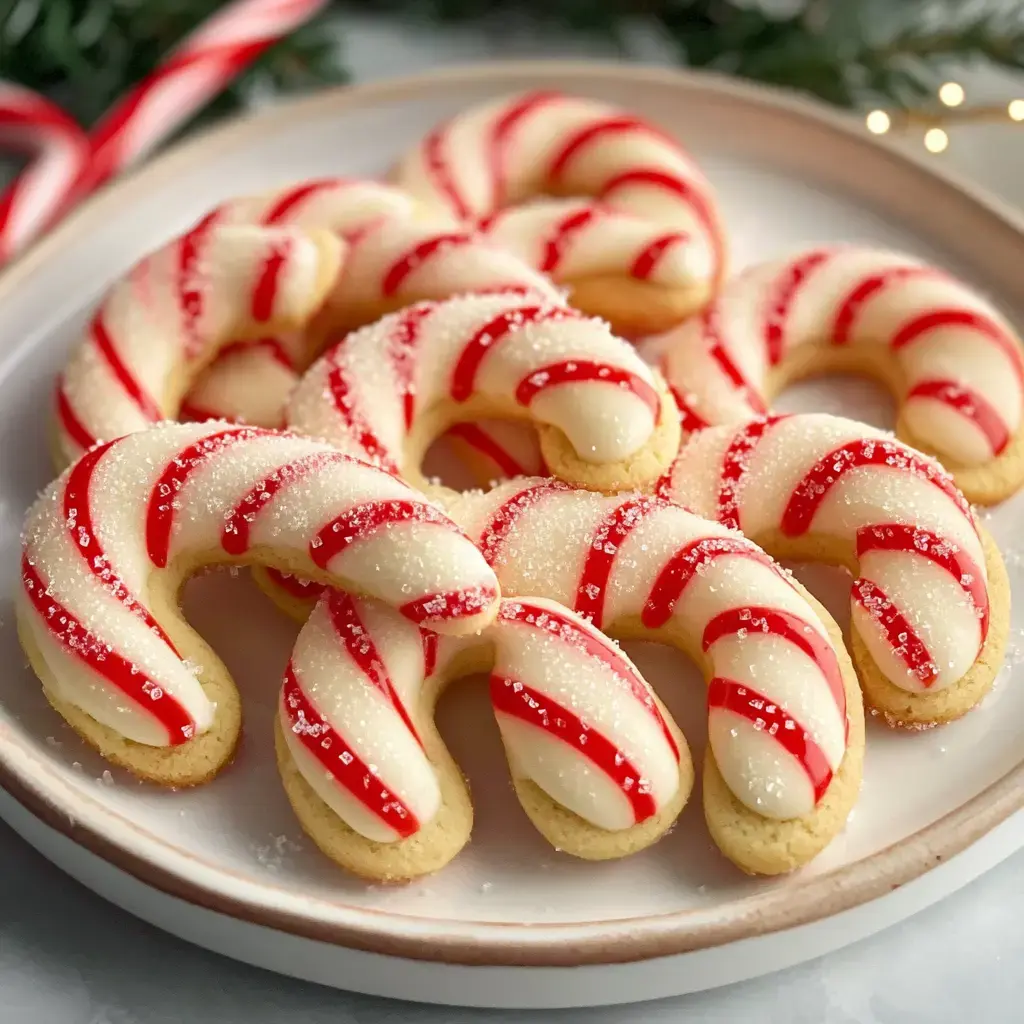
pixel 72 164
pixel 192 74
pixel 30 122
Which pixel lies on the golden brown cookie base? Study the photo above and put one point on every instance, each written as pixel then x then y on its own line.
pixel 987 484
pixel 639 472
pixel 769 846
pixel 440 839
pixel 427 851
pixel 921 710
pixel 636 308
pixel 900 707
pixel 188 764
pixel 571 834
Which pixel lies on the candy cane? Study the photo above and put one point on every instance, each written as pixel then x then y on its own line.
pixel 30 122
pixel 192 74
pixel 72 165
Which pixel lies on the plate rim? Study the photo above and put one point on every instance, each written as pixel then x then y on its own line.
pixel 444 940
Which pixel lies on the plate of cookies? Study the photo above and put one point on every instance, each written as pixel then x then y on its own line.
pixel 535 535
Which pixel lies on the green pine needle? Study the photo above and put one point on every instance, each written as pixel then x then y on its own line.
pixel 87 53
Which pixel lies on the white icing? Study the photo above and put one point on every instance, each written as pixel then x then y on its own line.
pixel 933 602
pixel 604 423
pixel 466 150
pixel 565 521
pixel 746 309
pixel 524 652
pixel 399 563
pixel 609 243
pixel 154 339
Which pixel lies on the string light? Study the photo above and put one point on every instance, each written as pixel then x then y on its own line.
pixel 935 120
pixel 878 122
pixel 952 94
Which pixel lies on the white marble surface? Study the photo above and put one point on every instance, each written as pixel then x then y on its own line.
pixel 66 957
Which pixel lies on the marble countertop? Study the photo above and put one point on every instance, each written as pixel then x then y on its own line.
pixel 66 957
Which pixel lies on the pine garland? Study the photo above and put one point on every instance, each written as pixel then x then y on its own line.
pixel 86 53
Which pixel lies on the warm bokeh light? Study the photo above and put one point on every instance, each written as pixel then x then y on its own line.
pixel 1016 110
pixel 935 140
pixel 878 122
pixel 952 94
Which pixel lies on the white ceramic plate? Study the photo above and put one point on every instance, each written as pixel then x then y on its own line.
pixel 510 923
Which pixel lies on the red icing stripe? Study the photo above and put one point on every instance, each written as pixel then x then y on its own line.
pixel 355 423
pixel 340 761
pixel 286 203
pixel 264 295
pixel 411 260
pixel 235 536
pixel 689 561
pixel 456 604
pixel 296 586
pixel 583 371
pixel 957 562
pixel 898 632
pixel 133 388
pixel 430 641
pixel 561 237
pixel 106 661
pixel 785 289
pixel 747 703
pixel 495 533
pixel 756 620
pixel 647 259
pixel 401 345
pixel 864 291
pixel 938 319
pixel 520 701
pixel 689 418
pixel 362 520
pixel 439 170
pixel 160 510
pixel 82 530
pixel 363 651
pixel 602 551
pixel 735 464
pixel 72 425
pixel 971 404
pixel 818 482
pixel 712 336
pixel 190 283
pixel 684 190
pixel 479 440
pixel 594 645
pixel 492 332
pixel 501 135
pixel 616 124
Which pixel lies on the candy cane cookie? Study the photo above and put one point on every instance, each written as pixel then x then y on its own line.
pixel 930 598
pixel 385 392
pixel 952 361
pixel 639 242
pixel 596 761
pixel 785 719
pixel 163 322
pixel 107 546
pixel 244 282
